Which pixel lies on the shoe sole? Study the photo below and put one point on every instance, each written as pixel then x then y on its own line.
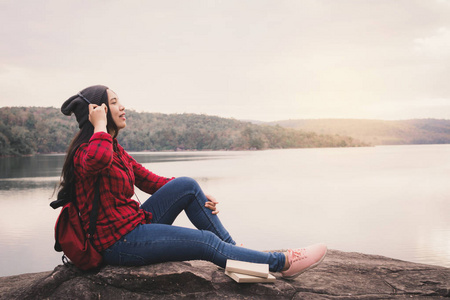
pixel 308 268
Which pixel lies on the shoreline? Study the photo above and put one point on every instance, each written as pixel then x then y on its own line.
pixel 205 150
pixel 226 150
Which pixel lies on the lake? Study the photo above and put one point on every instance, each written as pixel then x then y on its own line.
pixel 385 200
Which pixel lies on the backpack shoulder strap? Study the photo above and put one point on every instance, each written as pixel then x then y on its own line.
pixel 65 196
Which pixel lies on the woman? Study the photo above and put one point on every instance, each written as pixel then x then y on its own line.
pixel 129 234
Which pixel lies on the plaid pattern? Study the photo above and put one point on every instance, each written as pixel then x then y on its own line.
pixel 118 213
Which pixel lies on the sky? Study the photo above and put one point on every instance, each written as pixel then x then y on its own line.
pixel 263 60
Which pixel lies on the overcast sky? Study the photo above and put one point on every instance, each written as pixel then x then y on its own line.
pixel 255 59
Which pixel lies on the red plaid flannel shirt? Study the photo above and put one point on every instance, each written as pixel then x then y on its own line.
pixel 118 214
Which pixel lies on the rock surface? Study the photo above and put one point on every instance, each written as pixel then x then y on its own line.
pixel 342 275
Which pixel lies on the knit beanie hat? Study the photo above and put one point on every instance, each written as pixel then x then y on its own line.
pixel 79 103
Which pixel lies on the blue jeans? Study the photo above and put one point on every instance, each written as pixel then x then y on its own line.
pixel 161 242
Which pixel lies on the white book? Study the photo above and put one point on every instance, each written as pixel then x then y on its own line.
pixel 243 278
pixel 247 268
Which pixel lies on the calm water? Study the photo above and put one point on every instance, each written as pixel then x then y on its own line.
pixel 390 200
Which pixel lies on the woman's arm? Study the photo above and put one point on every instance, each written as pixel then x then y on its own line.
pixel 94 156
pixel 91 158
pixel 150 182
pixel 144 179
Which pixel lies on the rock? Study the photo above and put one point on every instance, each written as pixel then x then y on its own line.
pixel 342 275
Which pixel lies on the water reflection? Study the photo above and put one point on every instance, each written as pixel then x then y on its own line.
pixel 28 183
pixel 43 171
pixel 51 165
pixel 32 166
pixel 159 157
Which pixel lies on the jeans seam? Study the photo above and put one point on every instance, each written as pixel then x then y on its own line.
pixel 138 243
pixel 217 232
pixel 125 254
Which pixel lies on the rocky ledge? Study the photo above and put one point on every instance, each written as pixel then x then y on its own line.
pixel 342 275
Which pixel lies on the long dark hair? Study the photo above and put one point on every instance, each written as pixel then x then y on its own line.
pixel 67 181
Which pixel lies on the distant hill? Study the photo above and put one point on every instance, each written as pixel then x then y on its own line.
pixel 31 130
pixel 378 132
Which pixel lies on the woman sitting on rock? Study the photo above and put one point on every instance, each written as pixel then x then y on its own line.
pixel 131 234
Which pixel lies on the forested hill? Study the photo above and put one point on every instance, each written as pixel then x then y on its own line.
pixel 31 130
pixel 378 132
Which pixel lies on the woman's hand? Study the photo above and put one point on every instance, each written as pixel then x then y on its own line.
pixel 97 116
pixel 211 204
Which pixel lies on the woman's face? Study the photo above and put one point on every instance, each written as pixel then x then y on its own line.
pixel 117 110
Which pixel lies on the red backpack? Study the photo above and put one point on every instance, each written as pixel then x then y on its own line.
pixel 70 236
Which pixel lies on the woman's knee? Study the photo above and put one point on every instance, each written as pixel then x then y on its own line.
pixel 187 183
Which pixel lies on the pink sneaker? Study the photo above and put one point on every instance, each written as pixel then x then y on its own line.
pixel 304 259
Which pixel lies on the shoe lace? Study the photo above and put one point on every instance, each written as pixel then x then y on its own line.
pixel 297 254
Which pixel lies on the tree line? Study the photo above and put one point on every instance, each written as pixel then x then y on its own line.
pixel 379 132
pixel 43 130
